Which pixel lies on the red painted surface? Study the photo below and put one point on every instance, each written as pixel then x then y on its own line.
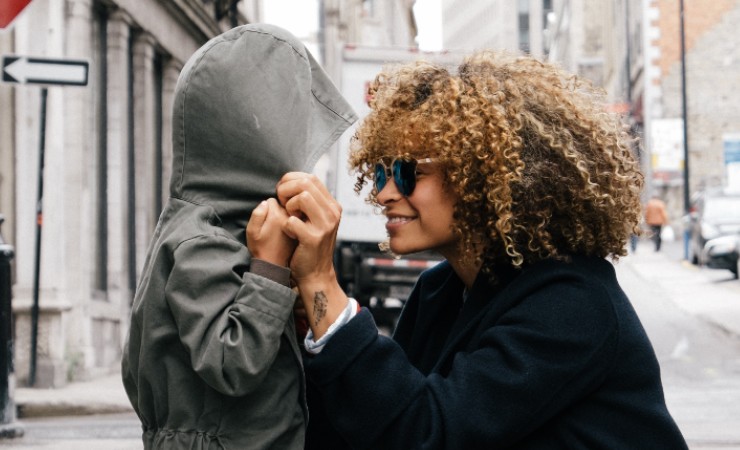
pixel 9 9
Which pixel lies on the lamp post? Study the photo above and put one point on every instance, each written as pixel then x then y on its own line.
pixel 686 195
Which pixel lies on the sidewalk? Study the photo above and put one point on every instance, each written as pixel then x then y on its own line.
pixel 708 294
pixel 101 395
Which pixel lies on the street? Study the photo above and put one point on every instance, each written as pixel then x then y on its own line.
pixel 96 432
pixel 700 360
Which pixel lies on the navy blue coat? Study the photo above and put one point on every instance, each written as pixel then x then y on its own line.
pixel 551 357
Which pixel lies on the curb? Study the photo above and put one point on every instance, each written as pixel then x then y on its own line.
pixel 100 395
pixel 65 408
pixel 11 431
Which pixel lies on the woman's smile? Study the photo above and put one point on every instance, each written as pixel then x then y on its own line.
pixel 395 222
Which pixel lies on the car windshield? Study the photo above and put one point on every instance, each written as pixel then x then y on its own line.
pixel 722 208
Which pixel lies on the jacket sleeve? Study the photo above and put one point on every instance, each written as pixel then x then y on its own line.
pixel 520 371
pixel 230 321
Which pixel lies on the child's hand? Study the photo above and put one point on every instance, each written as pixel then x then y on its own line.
pixel 265 238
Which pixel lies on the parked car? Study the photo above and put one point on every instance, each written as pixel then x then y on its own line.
pixel 723 253
pixel 713 214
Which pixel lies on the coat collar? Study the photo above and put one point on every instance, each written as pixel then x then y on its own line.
pixel 479 300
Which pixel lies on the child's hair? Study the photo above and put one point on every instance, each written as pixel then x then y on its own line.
pixel 539 165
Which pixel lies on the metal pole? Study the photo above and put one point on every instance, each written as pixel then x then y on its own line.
pixel 686 194
pixel 39 224
pixel 628 50
pixel 6 331
pixel 9 428
pixel 628 97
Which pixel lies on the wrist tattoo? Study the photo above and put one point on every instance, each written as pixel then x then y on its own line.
pixel 319 306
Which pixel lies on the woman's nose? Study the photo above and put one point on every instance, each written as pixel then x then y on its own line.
pixel 389 193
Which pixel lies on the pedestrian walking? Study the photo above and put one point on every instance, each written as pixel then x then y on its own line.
pixel 212 360
pixel 514 172
pixel 656 218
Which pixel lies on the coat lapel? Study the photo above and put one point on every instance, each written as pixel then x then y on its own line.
pixel 436 308
pixel 482 299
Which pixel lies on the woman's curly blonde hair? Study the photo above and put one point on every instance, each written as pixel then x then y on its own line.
pixel 539 166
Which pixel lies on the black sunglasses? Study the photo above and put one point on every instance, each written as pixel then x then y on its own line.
pixel 403 172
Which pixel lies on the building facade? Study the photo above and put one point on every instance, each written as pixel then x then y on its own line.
pixel 712 93
pixel 633 49
pixel 520 25
pixel 602 40
pixel 107 157
pixel 372 23
pixel 107 167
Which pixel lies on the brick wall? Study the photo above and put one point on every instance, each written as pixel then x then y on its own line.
pixel 712 78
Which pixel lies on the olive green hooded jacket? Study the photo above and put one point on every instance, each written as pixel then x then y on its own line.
pixel 212 360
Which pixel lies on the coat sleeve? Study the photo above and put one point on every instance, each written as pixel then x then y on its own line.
pixel 230 321
pixel 515 377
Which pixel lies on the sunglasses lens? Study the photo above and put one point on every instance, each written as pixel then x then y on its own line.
pixel 404 174
pixel 380 179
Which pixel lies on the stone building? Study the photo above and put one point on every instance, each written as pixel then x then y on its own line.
pixel 106 167
pixel 372 23
pixel 107 156
pixel 497 24
pixel 603 41
pixel 631 48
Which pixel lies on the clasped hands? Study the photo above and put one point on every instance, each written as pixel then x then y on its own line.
pixel 298 230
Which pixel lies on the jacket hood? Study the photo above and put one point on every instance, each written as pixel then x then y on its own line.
pixel 250 105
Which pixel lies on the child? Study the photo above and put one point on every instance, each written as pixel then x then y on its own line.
pixel 212 360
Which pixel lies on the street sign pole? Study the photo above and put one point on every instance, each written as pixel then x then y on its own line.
pixel 39 226
pixel 42 71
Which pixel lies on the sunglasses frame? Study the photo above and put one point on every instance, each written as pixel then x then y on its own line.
pixel 405 187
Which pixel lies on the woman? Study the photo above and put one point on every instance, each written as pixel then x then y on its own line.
pixel 514 172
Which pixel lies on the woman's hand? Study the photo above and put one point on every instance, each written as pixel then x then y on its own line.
pixel 265 237
pixel 313 221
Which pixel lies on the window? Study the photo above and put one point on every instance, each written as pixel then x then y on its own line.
pixel 368 8
pixel 131 175
pixel 547 12
pixel 524 25
pixel 100 246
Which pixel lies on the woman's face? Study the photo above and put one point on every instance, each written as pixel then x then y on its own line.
pixel 423 220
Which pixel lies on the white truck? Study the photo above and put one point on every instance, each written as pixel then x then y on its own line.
pixel 376 279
